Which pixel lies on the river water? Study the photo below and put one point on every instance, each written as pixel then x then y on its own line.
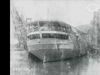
pixel 21 63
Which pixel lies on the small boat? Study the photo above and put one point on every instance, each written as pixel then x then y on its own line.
pixel 53 41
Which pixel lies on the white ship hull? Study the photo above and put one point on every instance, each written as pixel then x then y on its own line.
pixel 49 50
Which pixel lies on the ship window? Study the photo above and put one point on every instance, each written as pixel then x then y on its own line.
pixel 48 35
pixel 57 36
pixel 34 36
pixel 61 36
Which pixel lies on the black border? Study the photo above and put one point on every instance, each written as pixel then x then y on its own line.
pixel 5 37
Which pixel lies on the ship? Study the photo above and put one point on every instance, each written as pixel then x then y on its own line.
pixel 54 40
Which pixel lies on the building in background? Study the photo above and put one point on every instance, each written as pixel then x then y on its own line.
pixel 95 31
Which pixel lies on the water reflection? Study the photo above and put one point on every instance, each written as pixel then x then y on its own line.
pixel 68 67
pixel 24 64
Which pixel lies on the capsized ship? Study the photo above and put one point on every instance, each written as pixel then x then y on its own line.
pixel 53 40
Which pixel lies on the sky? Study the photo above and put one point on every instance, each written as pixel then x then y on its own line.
pixel 73 12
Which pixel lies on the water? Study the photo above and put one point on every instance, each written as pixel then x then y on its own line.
pixel 24 64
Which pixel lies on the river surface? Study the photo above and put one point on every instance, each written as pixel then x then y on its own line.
pixel 21 63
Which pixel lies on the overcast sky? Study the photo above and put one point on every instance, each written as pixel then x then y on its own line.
pixel 74 12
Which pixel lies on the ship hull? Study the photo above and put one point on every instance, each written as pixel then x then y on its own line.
pixel 53 49
pixel 54 55
pixel 53 52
